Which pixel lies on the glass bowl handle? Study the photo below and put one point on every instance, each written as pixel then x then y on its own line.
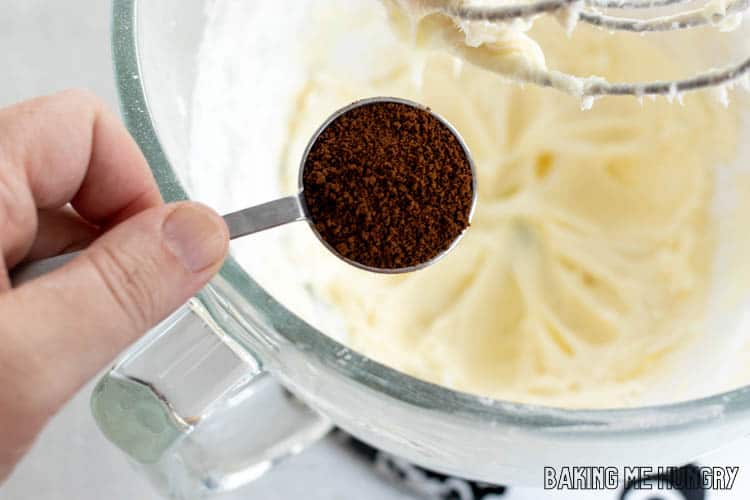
pixel 198 411
pixel 192 407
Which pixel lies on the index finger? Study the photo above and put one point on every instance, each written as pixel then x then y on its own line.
pixel 67 148
pixel 71 148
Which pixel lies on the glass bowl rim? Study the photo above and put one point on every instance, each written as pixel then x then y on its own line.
pixel 682 415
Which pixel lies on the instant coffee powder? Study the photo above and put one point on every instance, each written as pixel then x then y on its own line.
pixel 388 185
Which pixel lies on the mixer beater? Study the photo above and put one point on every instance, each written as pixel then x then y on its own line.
pixel 613 16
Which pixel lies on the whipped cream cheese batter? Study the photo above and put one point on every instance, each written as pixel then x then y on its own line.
pixel 587 265
pixel 589 275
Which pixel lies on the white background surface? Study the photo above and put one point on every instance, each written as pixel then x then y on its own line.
pixel 48 45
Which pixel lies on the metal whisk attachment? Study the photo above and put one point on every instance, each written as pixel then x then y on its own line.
pixel 590 12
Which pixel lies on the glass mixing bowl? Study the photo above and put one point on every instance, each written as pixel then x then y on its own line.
pixel 197 402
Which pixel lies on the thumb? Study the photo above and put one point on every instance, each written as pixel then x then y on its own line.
pixel 64 327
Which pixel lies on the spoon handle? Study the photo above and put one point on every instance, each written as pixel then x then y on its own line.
pixel 27 272
pixel 265 216
pixel 240 223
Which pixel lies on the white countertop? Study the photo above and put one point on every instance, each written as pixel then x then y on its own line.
pixel 50 45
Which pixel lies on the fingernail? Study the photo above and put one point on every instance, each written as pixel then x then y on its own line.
pixel 196 235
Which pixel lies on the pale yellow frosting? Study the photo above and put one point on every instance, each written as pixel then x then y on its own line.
pixel 588 264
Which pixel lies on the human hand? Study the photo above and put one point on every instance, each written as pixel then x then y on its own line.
pixel 70 176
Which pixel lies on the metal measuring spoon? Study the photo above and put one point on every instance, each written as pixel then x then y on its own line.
pixel 289 209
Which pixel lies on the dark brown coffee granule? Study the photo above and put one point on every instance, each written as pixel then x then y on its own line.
pixel 388 185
